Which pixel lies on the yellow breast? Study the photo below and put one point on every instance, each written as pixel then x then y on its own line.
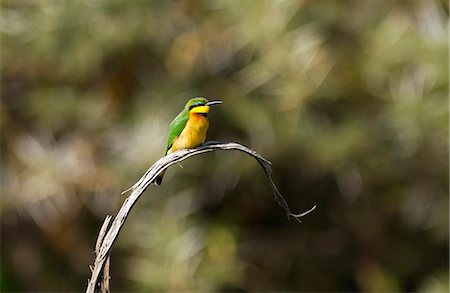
pixel 193 134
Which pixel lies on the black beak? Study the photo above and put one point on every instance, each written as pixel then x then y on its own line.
pixel 213 103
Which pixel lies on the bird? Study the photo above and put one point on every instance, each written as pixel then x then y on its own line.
pixel 188 129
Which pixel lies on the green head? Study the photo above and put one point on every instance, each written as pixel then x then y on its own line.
pixel 200 105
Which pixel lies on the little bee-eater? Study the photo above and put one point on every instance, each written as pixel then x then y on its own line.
pixel 188 129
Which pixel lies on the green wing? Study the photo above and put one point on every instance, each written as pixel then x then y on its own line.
pixel 176 127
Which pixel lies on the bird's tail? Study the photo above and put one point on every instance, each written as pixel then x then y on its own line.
pixel 159 179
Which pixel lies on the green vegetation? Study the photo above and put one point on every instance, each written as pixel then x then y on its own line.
pixel 348 99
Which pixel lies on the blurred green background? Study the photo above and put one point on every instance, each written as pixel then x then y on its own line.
pixel 348 99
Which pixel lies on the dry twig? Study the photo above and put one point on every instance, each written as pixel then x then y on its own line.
pixel 100 270
pixel 103 284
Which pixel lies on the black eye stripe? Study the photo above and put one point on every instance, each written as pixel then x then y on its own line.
pixel 196 105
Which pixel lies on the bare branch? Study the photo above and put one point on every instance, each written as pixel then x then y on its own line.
pixel 103 283
pixel 137 189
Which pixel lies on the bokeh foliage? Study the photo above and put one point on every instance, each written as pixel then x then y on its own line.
pixel 348 99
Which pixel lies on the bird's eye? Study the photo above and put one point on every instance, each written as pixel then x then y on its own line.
pixel 196 104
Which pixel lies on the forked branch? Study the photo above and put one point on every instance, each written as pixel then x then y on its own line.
pixel 99 269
